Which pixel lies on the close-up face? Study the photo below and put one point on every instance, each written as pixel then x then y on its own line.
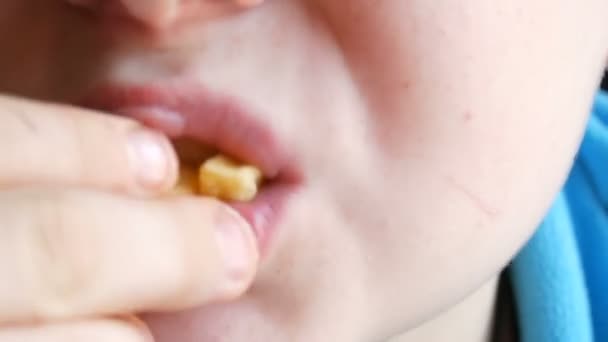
pixel 412 146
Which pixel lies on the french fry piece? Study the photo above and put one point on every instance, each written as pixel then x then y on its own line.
pixel 187 183
pixel 227 179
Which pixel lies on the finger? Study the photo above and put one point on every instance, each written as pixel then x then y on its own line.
pixel 73 253
pixel 102 330
pixel 45 143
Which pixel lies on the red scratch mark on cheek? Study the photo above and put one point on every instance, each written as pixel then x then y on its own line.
pixel 482 205
pixel 467 116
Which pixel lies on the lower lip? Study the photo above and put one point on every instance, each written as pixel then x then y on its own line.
pixel 265 211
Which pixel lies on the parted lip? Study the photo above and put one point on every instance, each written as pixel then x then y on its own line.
pixel 191 111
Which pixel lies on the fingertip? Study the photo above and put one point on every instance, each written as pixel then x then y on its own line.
pixel 238 248
pixel 152 159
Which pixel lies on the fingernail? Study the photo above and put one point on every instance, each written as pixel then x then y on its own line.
pixel 150 157
pixel 238 248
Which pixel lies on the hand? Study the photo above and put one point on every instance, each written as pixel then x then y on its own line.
pixel 86 240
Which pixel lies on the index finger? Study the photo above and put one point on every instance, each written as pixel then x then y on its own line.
pixel 45 143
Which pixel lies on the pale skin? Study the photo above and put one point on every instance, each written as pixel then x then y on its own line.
pixel 433 136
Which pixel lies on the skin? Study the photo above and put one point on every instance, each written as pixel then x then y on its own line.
pixel 432 137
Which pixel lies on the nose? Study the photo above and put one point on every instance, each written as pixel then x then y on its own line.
pixel 159 14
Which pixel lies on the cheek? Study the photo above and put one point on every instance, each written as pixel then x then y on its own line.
pixel 473 129
pixel 452 210
pixel 474 126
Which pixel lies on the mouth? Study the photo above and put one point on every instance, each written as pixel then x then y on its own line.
pixel 202 123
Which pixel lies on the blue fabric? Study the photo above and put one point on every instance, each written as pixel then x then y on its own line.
pixel 560 278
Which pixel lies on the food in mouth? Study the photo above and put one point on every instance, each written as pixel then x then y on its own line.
pixel 187 182
pixel 218 176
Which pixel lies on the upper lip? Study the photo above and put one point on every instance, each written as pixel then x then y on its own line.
pixel 212 119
